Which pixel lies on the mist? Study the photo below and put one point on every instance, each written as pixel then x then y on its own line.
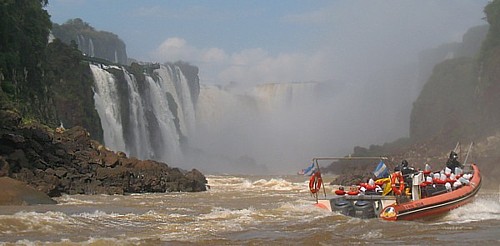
pixel 364 61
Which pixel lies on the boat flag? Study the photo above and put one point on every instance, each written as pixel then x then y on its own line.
pixel 308 169
pixel 381 170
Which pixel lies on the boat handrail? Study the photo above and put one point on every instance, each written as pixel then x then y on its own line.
pixel 350 158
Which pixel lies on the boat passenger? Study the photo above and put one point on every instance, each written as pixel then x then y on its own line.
pixel 405 169
pixel 448 186
pixel 453 162
pixel 427 169
pixel 457 184
pixel 407 172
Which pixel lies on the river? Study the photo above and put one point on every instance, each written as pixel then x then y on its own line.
pixel 237 210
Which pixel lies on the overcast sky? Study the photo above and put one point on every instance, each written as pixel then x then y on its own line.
pixel 262 41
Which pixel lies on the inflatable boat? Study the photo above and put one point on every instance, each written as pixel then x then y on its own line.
pixel 421 195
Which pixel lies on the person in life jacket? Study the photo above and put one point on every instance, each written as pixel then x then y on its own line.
pixel 453 162
pixel 406 171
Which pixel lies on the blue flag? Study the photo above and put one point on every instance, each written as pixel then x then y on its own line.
pixel 308 169
pixel 381 171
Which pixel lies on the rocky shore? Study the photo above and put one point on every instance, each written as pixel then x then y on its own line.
pixel 68 161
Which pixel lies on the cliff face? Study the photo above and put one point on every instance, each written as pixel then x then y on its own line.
pixel 447 106
pixel 70 96
pixel 460 99
pixel 92 43
pixel 458 103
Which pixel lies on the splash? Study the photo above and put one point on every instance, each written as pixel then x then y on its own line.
pixel 486 207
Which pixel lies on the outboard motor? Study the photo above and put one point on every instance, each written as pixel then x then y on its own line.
pixel 343 206
pixel 364 209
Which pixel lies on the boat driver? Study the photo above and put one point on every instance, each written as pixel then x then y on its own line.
pixel 453 162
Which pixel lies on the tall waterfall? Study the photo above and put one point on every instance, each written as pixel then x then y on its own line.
pixel 106 103
pixel 146 119
pixel 87 47
pixel 257 130
pixel 285 96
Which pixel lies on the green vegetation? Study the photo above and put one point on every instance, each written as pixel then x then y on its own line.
pixel 460 100
pixel 492 11
pixel 69 82
pixel 45 82
pixel 94 44
pixel 24 28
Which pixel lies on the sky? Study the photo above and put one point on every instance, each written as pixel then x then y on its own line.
pixel 261 41
pixel 367 49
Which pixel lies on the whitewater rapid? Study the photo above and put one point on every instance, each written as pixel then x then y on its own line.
pixel 235 210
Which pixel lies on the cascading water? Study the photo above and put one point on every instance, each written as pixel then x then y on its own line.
pixel 145 119
pixel 285 96
pixel 270 125
pixel 91 48
pixel 106 103
pixel 177 85
pixel 85 47
pixel 138 144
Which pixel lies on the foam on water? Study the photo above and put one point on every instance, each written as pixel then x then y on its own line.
pixel 224 213
pixel 483 208
pixel 74 200
pixel 89 241
pixel 277 184
pixel 21 222
pixel 237 210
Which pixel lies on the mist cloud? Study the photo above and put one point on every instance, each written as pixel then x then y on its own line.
pixel 369 48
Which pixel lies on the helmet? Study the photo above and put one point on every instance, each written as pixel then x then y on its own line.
pixel 404 163
pixel 453 155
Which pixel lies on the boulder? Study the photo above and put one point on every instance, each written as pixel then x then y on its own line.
pixel 15 192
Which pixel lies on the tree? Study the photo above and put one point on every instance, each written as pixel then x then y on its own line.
pixel 24 30
pixel 492 11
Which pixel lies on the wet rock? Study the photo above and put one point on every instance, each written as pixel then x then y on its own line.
pixel 4 167
pixel 15 192
pixel 9 119
pixel 71 162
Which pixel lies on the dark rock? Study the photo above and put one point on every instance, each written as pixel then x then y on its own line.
pixel 9 118
pixel 4 167
pixel 15 192
pixel 69 161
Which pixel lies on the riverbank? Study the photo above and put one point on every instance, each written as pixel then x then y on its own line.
pixel 68 161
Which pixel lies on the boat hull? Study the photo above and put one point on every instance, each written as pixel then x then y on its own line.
pixel 386 207
pixel 435 205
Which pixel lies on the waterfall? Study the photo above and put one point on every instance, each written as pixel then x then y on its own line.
pixel 107 106
pixel 138 144
pixel 152 116
pixel 86 48
pixel 80 41
pixel 164 136
pixel 147 119
pixel 177 85
pixel 286 96
pixel 91 48
pixel 271 124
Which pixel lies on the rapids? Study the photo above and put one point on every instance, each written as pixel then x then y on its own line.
pixel 237 210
